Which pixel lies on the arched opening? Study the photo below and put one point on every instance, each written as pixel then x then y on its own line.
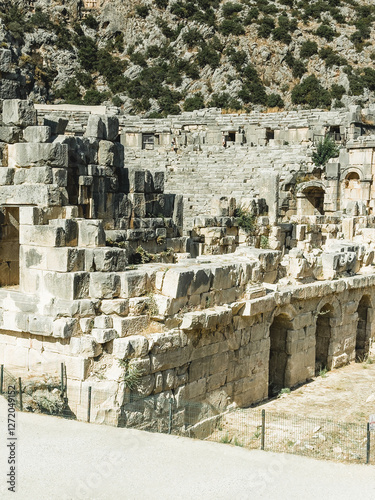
pixel 352 187
pixel 323 338
pixel 362 343
pixel 278 354
pixel 314 201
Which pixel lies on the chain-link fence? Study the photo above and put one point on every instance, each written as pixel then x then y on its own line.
pixel 251 428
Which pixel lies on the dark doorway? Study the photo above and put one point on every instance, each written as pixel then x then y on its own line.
pixel 362 344
pixel 9 246
pixel 323 338
pixel 278 355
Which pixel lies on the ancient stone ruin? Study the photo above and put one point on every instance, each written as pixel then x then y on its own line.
pixel 205 254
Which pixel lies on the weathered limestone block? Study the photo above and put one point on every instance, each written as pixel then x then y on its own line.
pixel 137 179
pixel 44 236
pixel 134 284
pixel 176 282
pixel 65 327
pixel 257 306
pixel 170 359
pixel 138 203
pixel 135 346
pixel 35 175
pixel 5 60
pixel 131 325
pixel 6 176
pixel 57 125
pixel 77 367
pixel 103 335
pixel 223 206
pixel 91 233
pixel 159 182
pixel 85 346
pixel 10 135
pixel 37 134
pixel 104 285
pixel 95 127
pixel 115 306
pixel 19 113
pixel 106 259
pixel 103 321
pixel 111 127
pixel 106 153
pixel 29 154
pixel 68 286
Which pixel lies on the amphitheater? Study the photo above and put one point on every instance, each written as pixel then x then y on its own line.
pixel 122 250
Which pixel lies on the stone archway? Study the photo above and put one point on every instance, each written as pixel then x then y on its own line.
pixel 278 358
pixel 323 338
pixel 363 335
pixel 310 199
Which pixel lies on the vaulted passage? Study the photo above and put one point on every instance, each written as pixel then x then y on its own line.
pixel 362 344
pixel 323 338
pixel 278 355
pixel 9 246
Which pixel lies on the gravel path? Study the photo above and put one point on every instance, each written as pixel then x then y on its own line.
pixel 67 460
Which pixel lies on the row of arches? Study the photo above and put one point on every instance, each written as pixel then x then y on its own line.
pixel 280 351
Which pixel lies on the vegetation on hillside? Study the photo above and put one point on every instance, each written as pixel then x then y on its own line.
pixel 233 54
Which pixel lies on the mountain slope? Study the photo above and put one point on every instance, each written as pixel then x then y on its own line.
pixel 160 57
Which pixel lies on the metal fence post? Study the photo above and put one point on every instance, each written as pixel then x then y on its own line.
pixel 62 379
pixel 89 405
pixel 1 378
pixel 368 447
pixel 170 416
pixel 20 392
pixel 263 429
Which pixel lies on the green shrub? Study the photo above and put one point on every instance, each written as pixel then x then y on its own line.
pixel 230 9
pixel 91 22
pixel 232 27
pixel 266 26
pixel 87 53
pixel 161 4
pixel 84 79
pixel 251 16
pixel 308 49
pixel 192 71
pixel 245 219
pixel 192 38
pixel 325 150
pixel 296 65
pixel 40 19
pixel 325 31
pixel 142 11
pixel 116 101
pixel 208 55
pixel 70 93
pixel 280 33
pixel 337 91
pixel 237 57
pixel 310 92
pixel 275 101
pixel 331 58
pixel 139 59
pixel 93 97
pixel 194 103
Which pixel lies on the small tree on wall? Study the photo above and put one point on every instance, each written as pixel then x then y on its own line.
pixel 325 150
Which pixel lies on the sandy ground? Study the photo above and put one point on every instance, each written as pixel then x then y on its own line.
pixel 347 394
pixel 61 459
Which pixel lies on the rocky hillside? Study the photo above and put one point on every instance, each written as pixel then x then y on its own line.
pixel 163 56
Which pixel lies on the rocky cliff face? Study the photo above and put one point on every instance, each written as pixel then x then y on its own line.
pixel 160 57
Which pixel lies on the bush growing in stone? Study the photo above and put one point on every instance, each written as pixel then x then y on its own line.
pixel 308 49
pixel 325 150
pixel 142 11
pixel 193 103
pixel 325 31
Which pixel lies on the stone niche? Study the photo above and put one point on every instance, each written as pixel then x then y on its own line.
pixel 9 246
